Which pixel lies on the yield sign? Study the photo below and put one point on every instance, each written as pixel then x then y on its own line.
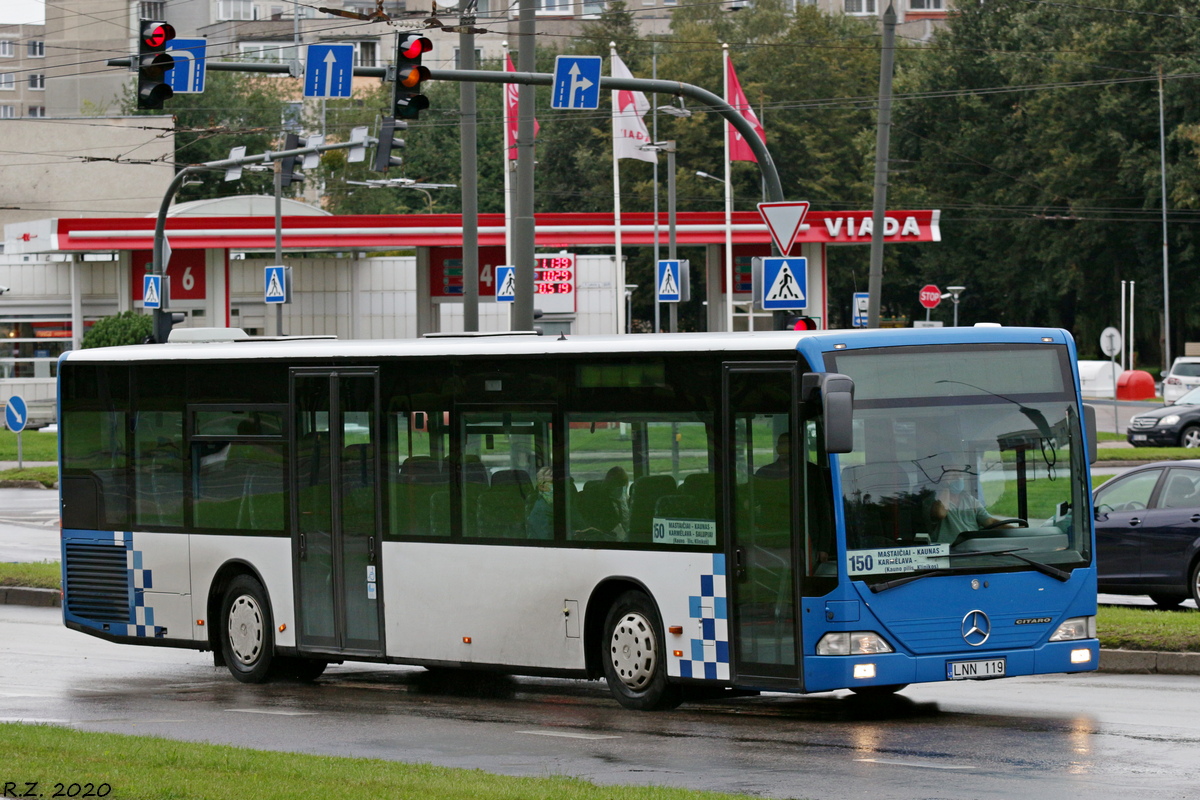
pixel 784 221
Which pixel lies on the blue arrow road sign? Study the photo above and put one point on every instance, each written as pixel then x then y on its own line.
pixel 152 291
pixel 275 285
pixel 16 414
pixel 576 82
pixel 506 284
pixel 667 281
pixel 187 76
pixel 328 70
pixel 785 284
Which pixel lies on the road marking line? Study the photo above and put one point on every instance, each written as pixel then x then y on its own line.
pixel 913 764
pixel 280 712
pixel 569 735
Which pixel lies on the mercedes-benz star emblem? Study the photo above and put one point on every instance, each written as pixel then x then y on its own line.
pixel 976 628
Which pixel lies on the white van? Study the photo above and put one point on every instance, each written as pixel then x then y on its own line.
pixel 1183 377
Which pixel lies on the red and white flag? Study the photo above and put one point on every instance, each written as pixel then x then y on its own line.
pixel 511 92
pixel 629 129
pixel 739 149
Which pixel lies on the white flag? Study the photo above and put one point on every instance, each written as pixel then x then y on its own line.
pixel 629 129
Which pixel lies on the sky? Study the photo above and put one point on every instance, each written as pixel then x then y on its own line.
pixel 15 12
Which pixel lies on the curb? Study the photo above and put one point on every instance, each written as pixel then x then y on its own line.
pixel 8 484
pixel 26 596
pixel 1113 662
pixel 1139 662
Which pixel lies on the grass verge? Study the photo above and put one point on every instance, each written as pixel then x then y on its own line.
pixel 35 574
pixel 35 446
pixel 161 769
pixel 1126 628
pixel 46 476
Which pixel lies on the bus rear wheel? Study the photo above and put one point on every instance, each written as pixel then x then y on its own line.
pixel 246 638
pixel 635 663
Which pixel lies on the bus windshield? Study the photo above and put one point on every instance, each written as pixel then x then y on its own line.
pixel 967 459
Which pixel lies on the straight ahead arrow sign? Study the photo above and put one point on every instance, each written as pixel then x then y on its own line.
pixel 785 221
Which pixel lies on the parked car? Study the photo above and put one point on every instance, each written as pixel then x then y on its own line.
pixel 1176 425
pixel 1183 377
pixel 1148 533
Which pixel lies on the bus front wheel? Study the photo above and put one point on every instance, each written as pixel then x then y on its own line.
pixel 635 663
pixel 247 641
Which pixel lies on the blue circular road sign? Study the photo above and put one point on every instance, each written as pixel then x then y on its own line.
pixel 16 414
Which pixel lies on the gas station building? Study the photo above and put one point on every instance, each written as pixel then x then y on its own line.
pixel 372 277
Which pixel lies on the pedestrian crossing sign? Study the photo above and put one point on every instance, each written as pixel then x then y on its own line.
pixel 152 291
pixel 668 282
pixel 785 284
pixel 277 284
pixel 506 284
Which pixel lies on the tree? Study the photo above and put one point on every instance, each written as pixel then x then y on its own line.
pixel 128 327
pixel 1036 127
pixel 234 109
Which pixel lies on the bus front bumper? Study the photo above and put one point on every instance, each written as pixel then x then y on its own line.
pixel 827 673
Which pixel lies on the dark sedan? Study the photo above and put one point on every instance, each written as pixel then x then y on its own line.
pixel 1148 533
pixel 1176 425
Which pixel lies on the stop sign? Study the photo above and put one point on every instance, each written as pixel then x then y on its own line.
pixel 930 296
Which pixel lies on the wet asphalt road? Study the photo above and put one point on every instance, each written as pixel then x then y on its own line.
pixel 1093 736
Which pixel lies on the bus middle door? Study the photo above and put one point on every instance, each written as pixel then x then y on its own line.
pixel 336 510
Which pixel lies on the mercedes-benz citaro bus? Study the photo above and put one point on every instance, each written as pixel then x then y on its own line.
pixel 782 511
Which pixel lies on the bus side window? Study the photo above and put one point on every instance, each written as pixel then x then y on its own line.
pixel 647 478
pixel 416 473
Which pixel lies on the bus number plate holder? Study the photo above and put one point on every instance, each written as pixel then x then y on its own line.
pixel 974 670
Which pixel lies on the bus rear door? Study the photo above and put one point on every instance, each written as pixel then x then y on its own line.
pixel 336 510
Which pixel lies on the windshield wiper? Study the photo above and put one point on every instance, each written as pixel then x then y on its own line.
pixel 1045 569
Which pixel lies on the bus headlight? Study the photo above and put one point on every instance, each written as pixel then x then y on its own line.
pixel 1075 628
pixel 852 643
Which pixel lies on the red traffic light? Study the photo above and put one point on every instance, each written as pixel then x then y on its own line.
pixel 802 324
pixel 155 35
pixel 414 46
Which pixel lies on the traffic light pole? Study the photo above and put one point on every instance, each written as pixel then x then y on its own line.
pixel 162 317
pixel 523 311
pixel 770 175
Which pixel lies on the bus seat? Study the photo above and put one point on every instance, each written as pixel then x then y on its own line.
pixel 882 497
pixel 644 496
pixel 422 469
pixel 439 514
pixel 595 515
pixel 702 487
pixel 517 478
pixel 473 470
pixel 500 513
pixel 679 506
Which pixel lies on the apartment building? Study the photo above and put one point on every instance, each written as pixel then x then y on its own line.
pixel 22 71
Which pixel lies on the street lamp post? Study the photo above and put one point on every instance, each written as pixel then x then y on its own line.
pixel 953 292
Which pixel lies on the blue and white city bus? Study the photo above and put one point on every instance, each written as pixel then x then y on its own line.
pixel 784 511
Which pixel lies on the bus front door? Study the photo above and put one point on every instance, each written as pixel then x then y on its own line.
pixel 336 511
pixel 760 419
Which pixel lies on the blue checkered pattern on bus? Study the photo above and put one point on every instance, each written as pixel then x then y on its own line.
pixel 709 654
pixel 140 579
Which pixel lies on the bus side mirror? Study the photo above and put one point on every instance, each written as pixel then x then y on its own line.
pixel 836 394
pixel 1089 429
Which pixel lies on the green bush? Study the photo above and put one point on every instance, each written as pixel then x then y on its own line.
pixel 128 327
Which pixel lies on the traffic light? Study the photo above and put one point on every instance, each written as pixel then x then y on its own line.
pixel 407 100
pixel 153 63
pixel 290 165
pixel 797 322
pixel 388 143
